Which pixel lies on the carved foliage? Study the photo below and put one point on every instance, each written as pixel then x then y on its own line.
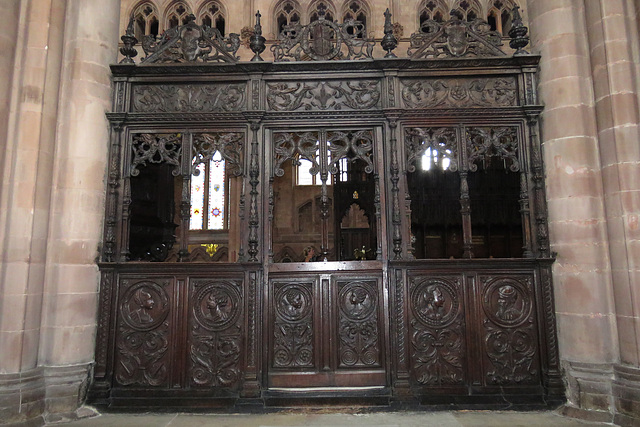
pixel 143 338
pixel 492 92
pixel 294 145
pixel 436 331
pixel 440 140
pixel 484 143
pixel 191 43
pixel 323 95
pixel 455 38
pixel 230 145
pixel 510 337
pixel 350 145
pixel 358 325
pixel 323 40
pixel 156 148
pixel 293 326
pixel 188 98
pixel 216 334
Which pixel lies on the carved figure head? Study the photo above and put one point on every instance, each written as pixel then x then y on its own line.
pixel 144 299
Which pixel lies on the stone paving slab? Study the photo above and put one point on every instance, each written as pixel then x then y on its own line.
pixel 305 418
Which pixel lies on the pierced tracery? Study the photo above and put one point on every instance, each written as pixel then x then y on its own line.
pixel 212 14
pixel 177 14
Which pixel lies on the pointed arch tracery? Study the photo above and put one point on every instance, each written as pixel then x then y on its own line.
pixel 435 10
pixel 358 10
pixel 286 13
pixel 212 14
pixel 176 14
pixel 467 10
pixel 146 22
pixel 322 6
pixel 499 15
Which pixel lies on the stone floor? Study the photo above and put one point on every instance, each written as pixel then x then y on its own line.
pixel 331 419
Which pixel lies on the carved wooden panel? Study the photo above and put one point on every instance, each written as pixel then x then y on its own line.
pixel 437 331
pixel 323 95
pixel 293 331
pixel 143 355
pixel 202 98
pixel 358 325
pixel 480 92
pixel 510 342
pixel 216 333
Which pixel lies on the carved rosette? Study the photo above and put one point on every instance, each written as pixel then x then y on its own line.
pixel 358 325
pixel 437 331
pixel 510 339
pixel 202 98
pixel 459 93
pixel 215 334
pixel 293 326
pixel 323 95
pixel 142 342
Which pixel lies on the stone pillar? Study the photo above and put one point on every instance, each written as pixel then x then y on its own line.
pixel 77 201
pixel 613 34
pixel 577 218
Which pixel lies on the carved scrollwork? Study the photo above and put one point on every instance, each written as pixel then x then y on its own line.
pixel 156 148
pixel 189 98
pixel 230 145
pixel 215 359
pixel 190 43
pixel 356 145
pixel 293 328
pixel 296 146
pixel 484 143
pixel 323 40
pixel 437 357
pixel 442 141
pixel 359 343
pixel 493 92
pixel 324 95
pixel 512 353
pixel 455 38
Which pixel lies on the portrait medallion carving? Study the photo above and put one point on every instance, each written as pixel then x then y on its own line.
pixel 435 303
pixel 217 305
pixel 145 305
pixel 357 302
pixel 293 302
pixel 506 302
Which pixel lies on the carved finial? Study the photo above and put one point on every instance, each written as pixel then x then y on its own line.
pixel 389 41
pixel 257 42
pixel 518 33
pixel 129 40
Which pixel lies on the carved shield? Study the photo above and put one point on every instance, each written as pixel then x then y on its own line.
pixel 457 39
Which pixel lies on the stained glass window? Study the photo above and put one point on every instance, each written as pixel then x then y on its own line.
pixel 208 196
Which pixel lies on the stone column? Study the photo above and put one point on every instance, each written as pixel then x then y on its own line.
pixel 577 218
pixel 613 36
pixel 77 200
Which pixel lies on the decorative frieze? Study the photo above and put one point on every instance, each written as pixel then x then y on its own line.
pixel 459 93
pixel 175 98
pixel 323 95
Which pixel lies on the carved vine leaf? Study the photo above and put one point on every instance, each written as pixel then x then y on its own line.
pixel 323 40
pixel 188 98
pixel 455 38
pixel 500 92
pixel 230 145
pixel 156 148
pixel 485 143
pixel 296 146
pixel 191 43
pixel 440 140
pixel 353 146
pixel 336 95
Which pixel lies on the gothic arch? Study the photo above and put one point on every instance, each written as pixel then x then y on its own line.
pixel 358 10
pixel 499 15
pixel 213 14
pixel 176 13
pixel 284 13
pixel 146 19
pixel 331 13
pixel 436 10
pixel 469 10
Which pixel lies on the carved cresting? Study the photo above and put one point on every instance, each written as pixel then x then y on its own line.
pixel 323 40
pixel 484 92
pixel 293 327
pixel 203 98
pixel 455 38
pixel 437 331
pixel 215 336
pixel 510 340
pixel 143 334
pixel 358 325
pixel 323 95
pixel 189 43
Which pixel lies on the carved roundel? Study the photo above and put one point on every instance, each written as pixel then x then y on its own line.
pixel 217 305
pixel 144 306
pixel 321 40
pixel 293 302
pixel 506 302
pixel 357 301
pixel 435 303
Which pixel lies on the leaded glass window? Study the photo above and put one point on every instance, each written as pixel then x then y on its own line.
pixel 209 196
